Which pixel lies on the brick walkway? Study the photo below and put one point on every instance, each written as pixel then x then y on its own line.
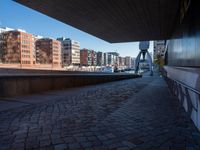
pixel 129 114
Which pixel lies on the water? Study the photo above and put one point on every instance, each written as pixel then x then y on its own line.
pixel 131 71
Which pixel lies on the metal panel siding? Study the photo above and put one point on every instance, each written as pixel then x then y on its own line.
pixel 184 47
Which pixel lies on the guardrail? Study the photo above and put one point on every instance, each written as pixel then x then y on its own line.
pixel 184 85
pixel 188 97
pixel 176 87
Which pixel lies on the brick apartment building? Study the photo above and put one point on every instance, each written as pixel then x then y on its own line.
pixel 48 51
pixel 17 48
pixel 128 61
pixel 121 61
pixel 86 57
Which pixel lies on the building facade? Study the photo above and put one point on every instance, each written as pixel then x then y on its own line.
pixel 105 59
pixel 17 48
pixel 2 30
pixel 70 52
pixel 128 61
pixel 121 61
pixel 94 58
pixel 100 58
pixel 113 59
pixel 35 38
pixel 85 57
pixel 159 49
pixel 48 51
pixel 110 59
pixel 132 62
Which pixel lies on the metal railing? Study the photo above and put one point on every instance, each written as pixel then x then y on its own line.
pixel 186 86
pixel 182 90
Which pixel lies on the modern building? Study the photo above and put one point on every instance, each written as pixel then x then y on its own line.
pixel 128 61
pixel 132 62
pixel 105 59
pixel 85 57
pixel 88 57
pixel 114 58
pixel 100 58
pixel 48 51
pixel 121 61
pixel 70 51
pixel 110 59
pixel 17 48
pixel 159 49
pixel 94 58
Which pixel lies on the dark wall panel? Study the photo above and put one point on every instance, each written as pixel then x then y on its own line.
pixel 184 46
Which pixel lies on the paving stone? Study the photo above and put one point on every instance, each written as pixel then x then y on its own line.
pixel 86 144
pixel 123 148
pixel 60 147
pixel 92 138
pixel 128 144
pixel 81 139
pixel 45 143
pixel 136 141
pixel 57 141
pixel 96 143
pixel 73 146
pixel 69 140
pixel 110 135
pixel 102 137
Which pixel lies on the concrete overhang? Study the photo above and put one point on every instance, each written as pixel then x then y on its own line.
pixel 114 20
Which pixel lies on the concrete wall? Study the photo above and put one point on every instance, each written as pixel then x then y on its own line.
pixel 188 98
pixel 28 84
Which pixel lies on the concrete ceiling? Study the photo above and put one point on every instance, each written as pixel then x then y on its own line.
pixel 114 20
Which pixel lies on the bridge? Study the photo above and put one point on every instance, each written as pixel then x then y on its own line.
pixel 152 112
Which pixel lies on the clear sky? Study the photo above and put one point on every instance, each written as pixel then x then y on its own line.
pixel 14 15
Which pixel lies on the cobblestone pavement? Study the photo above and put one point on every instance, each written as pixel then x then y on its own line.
pixel 122 115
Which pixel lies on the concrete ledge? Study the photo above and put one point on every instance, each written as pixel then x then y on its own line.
pixel 28 84
pixel 187 75
pixel 181 81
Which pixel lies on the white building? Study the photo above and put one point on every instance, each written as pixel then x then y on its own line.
pixel 4 29
pixel 105 59
pixel 113 59
pixel 70 52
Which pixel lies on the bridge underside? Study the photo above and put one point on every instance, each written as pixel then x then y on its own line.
pixel 114 21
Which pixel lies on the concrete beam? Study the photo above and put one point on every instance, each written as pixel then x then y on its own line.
pixel 114 20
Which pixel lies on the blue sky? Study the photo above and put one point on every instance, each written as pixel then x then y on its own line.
pixel 14 15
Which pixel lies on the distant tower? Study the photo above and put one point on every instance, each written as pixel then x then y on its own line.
pixel 143 46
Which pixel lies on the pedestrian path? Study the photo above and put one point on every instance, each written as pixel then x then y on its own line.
pixel 129 114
